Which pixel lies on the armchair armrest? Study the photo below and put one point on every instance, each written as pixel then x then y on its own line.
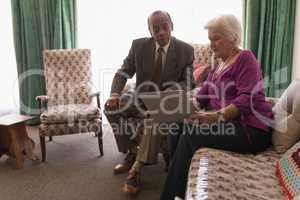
pixel 42 98
pixel 94 94
pixel 42 101
pixel 97 95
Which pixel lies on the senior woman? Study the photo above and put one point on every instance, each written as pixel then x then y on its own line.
pixel 239 116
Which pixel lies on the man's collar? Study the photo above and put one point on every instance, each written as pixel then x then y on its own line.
pixel 166 47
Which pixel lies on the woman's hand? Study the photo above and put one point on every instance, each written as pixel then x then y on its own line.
pixel 203 117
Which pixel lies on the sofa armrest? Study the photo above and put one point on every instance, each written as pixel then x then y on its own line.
pixel 97 95
pixel 272 100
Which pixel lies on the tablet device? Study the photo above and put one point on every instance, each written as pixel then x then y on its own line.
pixel 168 106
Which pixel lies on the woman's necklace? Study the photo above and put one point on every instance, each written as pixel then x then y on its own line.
pixel 226 63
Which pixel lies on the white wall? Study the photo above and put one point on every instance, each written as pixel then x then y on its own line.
pixel 108 27
pixel 296 59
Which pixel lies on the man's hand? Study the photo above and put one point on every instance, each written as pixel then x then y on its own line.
pixel 113 102
pixel 203 117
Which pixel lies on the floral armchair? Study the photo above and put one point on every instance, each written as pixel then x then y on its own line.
pixel 67 108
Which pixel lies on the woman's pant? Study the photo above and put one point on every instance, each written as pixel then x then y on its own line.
pixel 189 138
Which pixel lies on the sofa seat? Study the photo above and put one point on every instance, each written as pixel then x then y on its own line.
pixel 216 174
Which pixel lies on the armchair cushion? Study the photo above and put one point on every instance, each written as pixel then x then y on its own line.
pixel 70 113
pixel 82 126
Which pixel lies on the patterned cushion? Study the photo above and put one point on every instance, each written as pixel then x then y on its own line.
pixel 67 76
pixel 287 118
pixel 70 113
pixel 82 126
pixel 216 174
pixel 200 73
pixel 288 172
pixel 204 55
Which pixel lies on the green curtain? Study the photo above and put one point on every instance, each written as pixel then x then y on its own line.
pixel 269 33
pixel 39 25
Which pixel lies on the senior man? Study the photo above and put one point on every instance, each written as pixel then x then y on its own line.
pixel 160 62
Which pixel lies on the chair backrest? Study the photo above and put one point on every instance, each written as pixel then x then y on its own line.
pixel 204 55
pixel 68 76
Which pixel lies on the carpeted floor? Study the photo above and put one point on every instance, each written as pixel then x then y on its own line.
pixel 73 171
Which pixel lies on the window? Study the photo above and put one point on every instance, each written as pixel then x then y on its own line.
pixel 8 81
pixel 108 27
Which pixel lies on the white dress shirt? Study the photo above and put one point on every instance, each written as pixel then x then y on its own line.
pixel 164 52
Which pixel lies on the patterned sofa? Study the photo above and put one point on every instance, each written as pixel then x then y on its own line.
pixel 216 174
pixel 224 175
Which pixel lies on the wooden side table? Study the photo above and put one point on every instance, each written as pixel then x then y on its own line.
pixel 14 137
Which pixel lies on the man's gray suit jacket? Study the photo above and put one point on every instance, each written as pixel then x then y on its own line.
pixel 140 61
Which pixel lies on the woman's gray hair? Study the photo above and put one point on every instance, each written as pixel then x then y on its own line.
pixel 227 25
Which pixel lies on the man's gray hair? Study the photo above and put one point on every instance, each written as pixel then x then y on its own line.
pixel 227 25
pixel 159 12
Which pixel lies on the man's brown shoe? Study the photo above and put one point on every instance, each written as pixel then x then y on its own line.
pixel 122 168
pixel 132 184
pixel 126 165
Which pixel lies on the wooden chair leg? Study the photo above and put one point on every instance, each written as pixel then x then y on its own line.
pixel 43 148
pixel 100 141
pixel 50 138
